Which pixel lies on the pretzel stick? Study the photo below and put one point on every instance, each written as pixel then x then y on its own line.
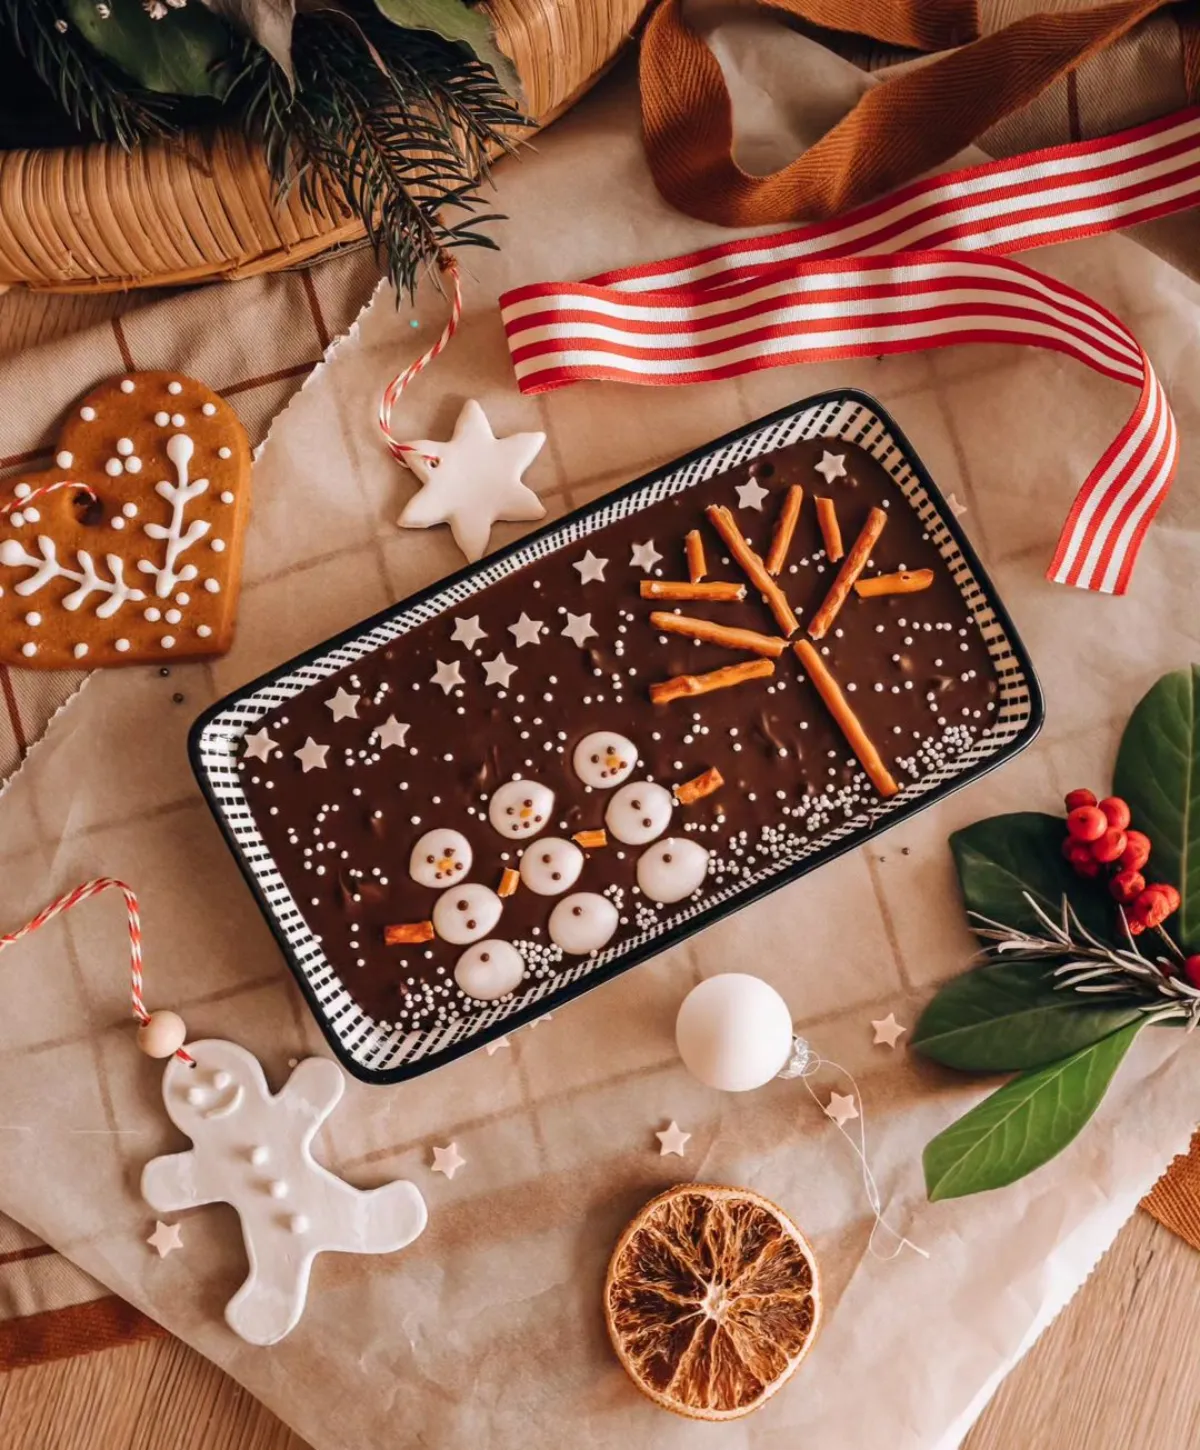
pixel 908 581
pixel 722 634
pixel 831 530
pixel 696 562
pixel 776 601
pixel 683 685
pixel 508 882
pixel 407 933
pixel 835 702
pixel 852 566
pixel 781 540
pixel 696 789
pixel 680 589
pixel 591 840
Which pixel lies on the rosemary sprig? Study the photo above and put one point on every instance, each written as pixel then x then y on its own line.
pixel 1093 967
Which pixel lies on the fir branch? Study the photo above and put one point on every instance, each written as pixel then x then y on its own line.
pixel 96 97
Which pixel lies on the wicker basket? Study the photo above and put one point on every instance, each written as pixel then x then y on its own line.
pixel 96 218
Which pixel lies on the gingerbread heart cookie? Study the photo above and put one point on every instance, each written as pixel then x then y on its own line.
pixel 130 548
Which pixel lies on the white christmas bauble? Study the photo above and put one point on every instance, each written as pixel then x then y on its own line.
pixel 734 1032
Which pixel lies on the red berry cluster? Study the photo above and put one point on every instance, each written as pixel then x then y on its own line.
pixel 1098 836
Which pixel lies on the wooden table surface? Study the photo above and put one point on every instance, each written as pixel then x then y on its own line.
pixel 1114 1372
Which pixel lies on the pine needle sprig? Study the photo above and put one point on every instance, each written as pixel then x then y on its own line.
pixel 96 98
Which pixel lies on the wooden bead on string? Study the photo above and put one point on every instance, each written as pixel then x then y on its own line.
pixel 162 1034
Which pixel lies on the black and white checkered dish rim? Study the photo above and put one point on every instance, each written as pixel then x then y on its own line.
pixel 373 1050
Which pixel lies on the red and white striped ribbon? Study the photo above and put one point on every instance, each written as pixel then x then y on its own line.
pixel 133 917
pixel 923 267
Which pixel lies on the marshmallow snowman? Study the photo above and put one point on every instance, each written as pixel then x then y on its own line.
pixel 521 808
pixel 252 1149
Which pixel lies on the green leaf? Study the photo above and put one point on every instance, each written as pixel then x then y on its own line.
pixel 1003 857
pixel 269 22
pixel 178 55
pixel 1158 773
pixel 453 20
pixel 1025 1123
pixel 1008 1017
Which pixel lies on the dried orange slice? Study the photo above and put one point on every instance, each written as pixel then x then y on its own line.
pixel 711 1300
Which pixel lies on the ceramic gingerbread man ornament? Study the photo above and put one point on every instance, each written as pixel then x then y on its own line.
pixel 252 1149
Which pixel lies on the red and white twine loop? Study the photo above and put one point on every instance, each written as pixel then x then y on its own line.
pixel 924 267
pixel 133 916
pixel 15 505
pixel 402 451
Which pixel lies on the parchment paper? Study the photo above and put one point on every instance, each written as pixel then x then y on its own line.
pixel 488 1330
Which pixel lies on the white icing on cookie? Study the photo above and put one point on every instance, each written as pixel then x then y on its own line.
pixel 129 509
pixel 639 812
pixel 489 969
pixel 133 465
pixel 29 649
pixel 79 650
pixel 114 468
pixel 465 913
pixel 63 459
pixel 440 858
pixel 208 409
pixel 521 808
pixel 87 413
pixel 672 869
pixel 124 447
pixel 47 567
pixel 552 866
pixel 604 759
pixel 180 449
pixel 582 923
pixel 127 385
pixel 326 1213
pixel 174 387
pixel 162 419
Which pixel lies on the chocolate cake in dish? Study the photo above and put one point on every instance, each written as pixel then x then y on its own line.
pixel 553 765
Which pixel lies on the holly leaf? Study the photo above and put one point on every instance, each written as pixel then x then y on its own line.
pixel 1008 1017
pixel 453 20
pixel 1025 1123
pixel 269 22
pixel 1158 773
pixel 179 55
pixel 1002 858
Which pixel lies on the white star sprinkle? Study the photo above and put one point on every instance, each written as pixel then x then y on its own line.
pixel 526 630
pixel 956 508
pixel 343 705
pixel 166 1238
pixel 311 755
pixel 492 1048
pixel 887 1031
pixel 831 466
pixel 673 1140
pixel 590 568
pixel 391 732
pixel 259 745
pixel 498 671
pixel 645 556
pixel 840 1108
pixel 448 676
pixel 468 632
pixel 579 628
pixel 448 1160
pixel 751 495
pixel 472 481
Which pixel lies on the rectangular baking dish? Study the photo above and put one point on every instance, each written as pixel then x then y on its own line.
pixel 381 1053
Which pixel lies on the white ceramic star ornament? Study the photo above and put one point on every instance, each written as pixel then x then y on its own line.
pixel 448 1160
pixel 391 732
pixel 166 1238
pixel 888 1031
pixel 468 632
pixel 751 495
pixel 526 630
pixel 259 745
pixel 472 481
pixel 645 556
pixel 311 755
pixel 841 1107
pixel 673 1140
pixel 343 705
pixel 831 466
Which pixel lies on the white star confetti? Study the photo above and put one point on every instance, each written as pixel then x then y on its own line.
pixel 887 1031
pixel 579 628
pixel 645 556
pixel 841 1108
pixel 956 508
pixel 311 755
pixel 590 568
pixel 673 1140
pixel 449 676
pixel 831 466
pixel 472 481
pixel 343 705
pixel 468 632
pixel 492 1048
pixel 751 495
pixel 391 732
pixel 526 630
pixel 498 671
pixel 448 1160
pixel 259 745
pixel 166 1238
